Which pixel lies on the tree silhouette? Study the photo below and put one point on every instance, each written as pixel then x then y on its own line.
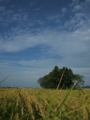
pixel 52 79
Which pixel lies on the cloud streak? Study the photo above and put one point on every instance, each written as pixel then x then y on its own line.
pixel 61 38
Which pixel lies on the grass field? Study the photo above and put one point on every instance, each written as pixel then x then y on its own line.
pixel 33 104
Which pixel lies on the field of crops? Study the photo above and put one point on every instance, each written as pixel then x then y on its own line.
pixel 36 104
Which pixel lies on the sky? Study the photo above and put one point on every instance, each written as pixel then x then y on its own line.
pixel 37 35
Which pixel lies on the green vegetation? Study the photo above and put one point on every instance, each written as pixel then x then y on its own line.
pixel 34 104
pixel 42 104
pixel 52 79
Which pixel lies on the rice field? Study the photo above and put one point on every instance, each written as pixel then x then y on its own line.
pixel 34 104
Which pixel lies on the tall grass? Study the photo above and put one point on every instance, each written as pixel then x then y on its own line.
pixel 33 104
pixel 43 104
pixel 54 97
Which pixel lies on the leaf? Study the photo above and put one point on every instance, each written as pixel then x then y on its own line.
pixel 64 100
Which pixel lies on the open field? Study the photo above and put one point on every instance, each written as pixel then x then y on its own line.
pixel 33 104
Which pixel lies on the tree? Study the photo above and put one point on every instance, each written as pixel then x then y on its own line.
pixel 52 79
pixel 79 78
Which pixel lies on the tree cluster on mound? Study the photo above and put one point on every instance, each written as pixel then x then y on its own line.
pixel 63 77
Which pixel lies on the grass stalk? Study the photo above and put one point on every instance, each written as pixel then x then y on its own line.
pixel 53 98
pixel 4 79
pixel 60 80
pixel 64 100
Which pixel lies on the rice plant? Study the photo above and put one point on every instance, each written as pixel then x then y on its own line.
pixel 43 104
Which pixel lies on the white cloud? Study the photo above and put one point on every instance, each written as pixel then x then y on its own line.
pixel 23 77
pixel 87 0
pixel 77 7
pixel 39 63
pixel 73 45
pixel 11 16
pixel 37 9
pixel 68 42
pixel 53 18
pixel 32 3
pixel 2 0
pixel 73 3
pixel 63 9
pixel 19 16
pixel 79 21
pixel 29 75
pixel 2 8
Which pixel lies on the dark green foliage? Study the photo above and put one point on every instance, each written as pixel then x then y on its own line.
pixel 80 80
pixel 52 79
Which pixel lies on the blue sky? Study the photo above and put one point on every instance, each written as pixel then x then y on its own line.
pixel 36 35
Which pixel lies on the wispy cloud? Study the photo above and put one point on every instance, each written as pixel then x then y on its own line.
pixel 87 0
pixel 63 9
pixel 71 46
pixel 77 41
pixel 77 7
pixel 2 8
pixel 65 40
pixel 32 3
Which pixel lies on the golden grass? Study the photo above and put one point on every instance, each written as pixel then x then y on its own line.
pixel 32 104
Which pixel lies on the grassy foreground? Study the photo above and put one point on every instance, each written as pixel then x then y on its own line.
pixel 33 104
